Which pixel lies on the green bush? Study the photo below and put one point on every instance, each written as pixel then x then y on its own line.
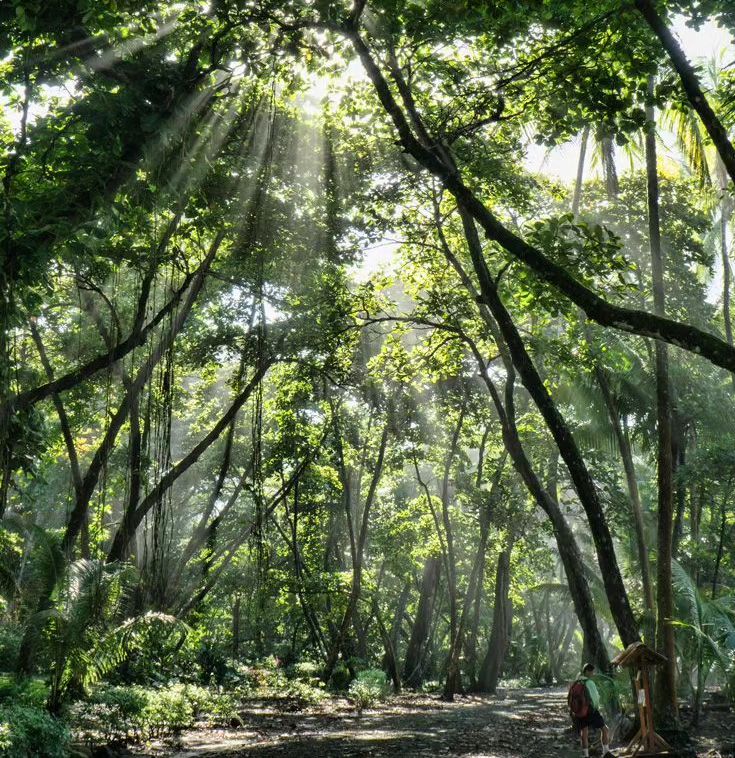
pixel 341 677
pixel 10 638
pixel 122 714
pixel 370 687
pixel 28 732
pixel 100 723
pixel 306 671
pixel 111 714
pixel 31 692
pixel 222 708
pixel 305 694
pixel 131 701
pixel 168 711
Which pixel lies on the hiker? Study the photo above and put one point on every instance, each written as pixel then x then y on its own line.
pixel 584 708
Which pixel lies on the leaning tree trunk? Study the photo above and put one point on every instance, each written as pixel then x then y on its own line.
pixel 569 552
pixel 566 542
pixel 560 431
pixel 665 699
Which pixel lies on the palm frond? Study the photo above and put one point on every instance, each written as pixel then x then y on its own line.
pixel 689 140
pixel 114 647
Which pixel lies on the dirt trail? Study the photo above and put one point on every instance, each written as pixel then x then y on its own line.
pixel 516 724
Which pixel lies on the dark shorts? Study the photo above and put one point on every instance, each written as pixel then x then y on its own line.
pixel 593 720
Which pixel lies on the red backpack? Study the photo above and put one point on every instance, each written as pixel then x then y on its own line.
pixel 578 700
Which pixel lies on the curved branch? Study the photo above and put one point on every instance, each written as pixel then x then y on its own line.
pixel 629 320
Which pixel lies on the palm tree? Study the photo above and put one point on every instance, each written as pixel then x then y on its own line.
pixel 81 632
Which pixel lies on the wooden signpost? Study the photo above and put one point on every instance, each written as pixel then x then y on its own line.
pixel 646 742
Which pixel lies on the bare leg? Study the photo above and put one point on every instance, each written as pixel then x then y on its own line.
pixel 605 738
pixel 585 737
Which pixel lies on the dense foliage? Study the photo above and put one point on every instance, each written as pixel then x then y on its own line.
pixel 239 458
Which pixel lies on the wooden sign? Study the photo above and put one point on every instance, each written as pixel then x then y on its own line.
pixel 646 741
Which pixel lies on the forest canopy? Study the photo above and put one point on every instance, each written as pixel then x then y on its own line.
pixel 310 381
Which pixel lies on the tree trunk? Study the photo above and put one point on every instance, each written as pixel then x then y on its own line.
pixel 568 550
pixel 89 483
pixel 414 665
pixel 358 540
pixel 695 95
pixel 665 700
pixel 621 435
pixel 71 450
pixel 583 482
pixel 609 170
pixel 726 209
pixel 134 516
pixel 726 270
pixel 390 652
pixel 453 683
pixel 492 664
pixel 720 546
pixel 576 199
pixel 395 631
pixel 473 598
pixel 236 626
pixel 566 543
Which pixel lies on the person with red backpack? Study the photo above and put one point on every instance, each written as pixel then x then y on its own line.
pixel 584 708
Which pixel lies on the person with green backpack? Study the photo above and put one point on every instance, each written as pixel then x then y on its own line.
pixel 584 708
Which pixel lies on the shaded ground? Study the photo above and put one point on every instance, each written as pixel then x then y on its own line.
pixel 519 724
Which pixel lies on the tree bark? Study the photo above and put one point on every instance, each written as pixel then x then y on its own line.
pixel 626 453
pixel 492 664
pixel 568 549
pixel 666 701
pixel 132 519
pixel 576 199
pixel 566 543
pixel 415 662
pixel 720 542
pixel 473 598
pixel 71 450
pixel 358 541
pixel 78 514
pixel 583 482
pixel 453 683
pixel 68 381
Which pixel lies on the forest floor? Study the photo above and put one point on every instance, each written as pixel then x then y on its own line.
pixel 520 723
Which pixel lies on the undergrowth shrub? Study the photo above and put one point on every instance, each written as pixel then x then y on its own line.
pixel 168 712
pixel 30 732
pixel 341 677
pixel 119 714
pixel 369 688
pixel 29 691
pixel 111 714
pixel 10 638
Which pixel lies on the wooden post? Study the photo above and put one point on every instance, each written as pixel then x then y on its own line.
pixel 648 711
pixel 646 742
